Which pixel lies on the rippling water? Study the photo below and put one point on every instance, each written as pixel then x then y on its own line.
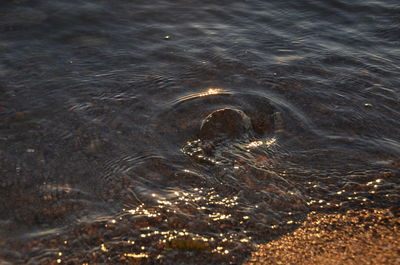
pixel 112 149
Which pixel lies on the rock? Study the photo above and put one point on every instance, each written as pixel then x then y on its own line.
pixel 225 123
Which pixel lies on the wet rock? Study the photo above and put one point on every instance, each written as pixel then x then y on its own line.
pixel 225 123
pixel 262 122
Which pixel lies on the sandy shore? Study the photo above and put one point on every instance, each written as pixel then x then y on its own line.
pixel 356 237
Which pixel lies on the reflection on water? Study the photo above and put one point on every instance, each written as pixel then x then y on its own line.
pixel 208 92
pixel 189 132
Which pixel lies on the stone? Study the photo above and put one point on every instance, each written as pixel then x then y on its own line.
pixel 227 123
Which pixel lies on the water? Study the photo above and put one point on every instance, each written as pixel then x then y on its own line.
pixel 102 157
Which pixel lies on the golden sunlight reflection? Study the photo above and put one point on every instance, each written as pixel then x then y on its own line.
pixel 183 237
pixel 136 255
pixel 103 248
pixel 208 92
pixel 256 144
pixel 288 58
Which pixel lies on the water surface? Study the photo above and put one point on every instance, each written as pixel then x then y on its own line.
pixel 102 158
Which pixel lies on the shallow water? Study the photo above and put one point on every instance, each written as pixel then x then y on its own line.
pixel 102 157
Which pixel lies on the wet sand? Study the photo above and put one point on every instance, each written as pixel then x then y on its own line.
pixel 355 237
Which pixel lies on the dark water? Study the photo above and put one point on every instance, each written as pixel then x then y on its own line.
pixel 102 159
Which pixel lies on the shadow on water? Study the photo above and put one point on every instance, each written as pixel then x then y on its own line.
pixel 170 134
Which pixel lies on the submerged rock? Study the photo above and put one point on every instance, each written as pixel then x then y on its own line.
pixel 225 123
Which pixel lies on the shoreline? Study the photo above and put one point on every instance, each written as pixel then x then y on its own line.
pixel 356 237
